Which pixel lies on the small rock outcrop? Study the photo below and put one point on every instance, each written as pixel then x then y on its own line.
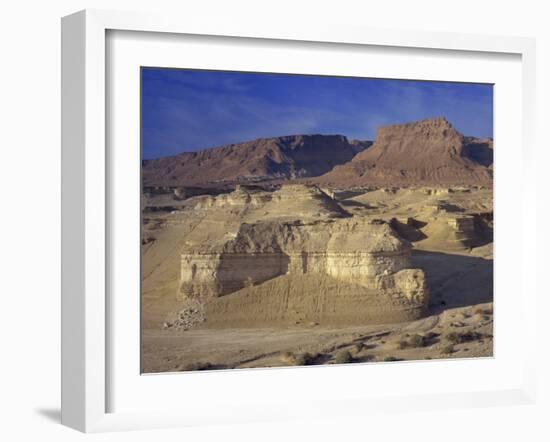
pixel 291 201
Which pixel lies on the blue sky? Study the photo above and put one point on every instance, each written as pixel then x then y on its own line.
pixel 188 110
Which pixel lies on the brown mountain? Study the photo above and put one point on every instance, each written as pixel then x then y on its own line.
pixel 424 152
pixel 285 157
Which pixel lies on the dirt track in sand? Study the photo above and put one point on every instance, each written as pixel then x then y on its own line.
pixel 272 347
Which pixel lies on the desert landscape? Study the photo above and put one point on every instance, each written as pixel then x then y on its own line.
pixel 319 249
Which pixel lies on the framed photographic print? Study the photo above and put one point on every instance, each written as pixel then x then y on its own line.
pixel 253 212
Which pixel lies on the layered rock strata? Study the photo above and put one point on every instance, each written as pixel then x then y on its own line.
pixel 429 151
pixel 294 201
pixel 286 157
pixel 359 252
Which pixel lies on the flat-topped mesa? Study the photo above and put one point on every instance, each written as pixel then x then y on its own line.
pixel 277 158
pixel 367 254
pixel 424 152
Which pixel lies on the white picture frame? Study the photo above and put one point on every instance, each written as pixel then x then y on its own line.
pixel 86 316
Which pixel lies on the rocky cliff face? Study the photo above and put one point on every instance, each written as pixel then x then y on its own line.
pixel 424 152
pixel 285 157
pixel 357 252
pixel 367 254
pixel 427 152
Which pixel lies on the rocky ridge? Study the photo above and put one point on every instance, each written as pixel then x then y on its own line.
pixel 278 158
pixel 426 152
pixel 430 151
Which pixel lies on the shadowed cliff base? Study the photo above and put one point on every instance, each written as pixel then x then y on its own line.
pixel 455 280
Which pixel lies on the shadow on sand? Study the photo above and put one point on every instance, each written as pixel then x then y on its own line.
pixel 455 280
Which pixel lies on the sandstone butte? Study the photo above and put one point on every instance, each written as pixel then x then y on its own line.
pixel 318 258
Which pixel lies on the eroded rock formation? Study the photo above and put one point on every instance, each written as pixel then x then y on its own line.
pixel 430 151
pixel 367 254
pixel 285 157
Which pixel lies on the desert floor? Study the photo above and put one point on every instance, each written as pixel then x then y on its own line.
pixel 458 323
